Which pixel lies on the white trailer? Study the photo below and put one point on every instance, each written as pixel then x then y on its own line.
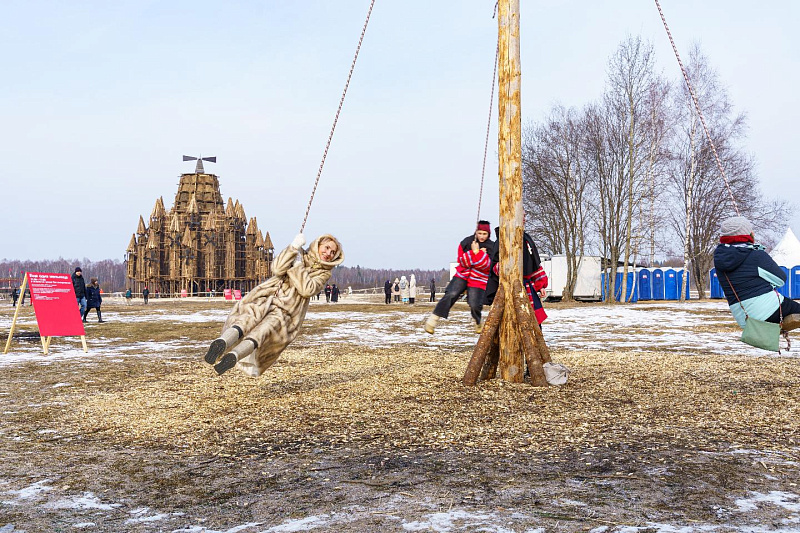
pixel 587 286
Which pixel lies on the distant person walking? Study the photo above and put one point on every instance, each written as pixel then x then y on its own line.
pixel 15 296
pixel 328 290
pixel 387 291
pixel 404 289
pixel 79 284
pixel 433 290
pixel 93 300
pixel 146 294
pixel 412 289
pixel 128 296
pixel 334 293
pixel 396 290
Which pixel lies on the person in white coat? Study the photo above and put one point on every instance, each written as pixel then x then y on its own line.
pixel 412 289
pixel 404 289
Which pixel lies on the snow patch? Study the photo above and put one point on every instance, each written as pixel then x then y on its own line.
pixel 785 500
pixel 86 501
pixel 458 519
pixel 31 491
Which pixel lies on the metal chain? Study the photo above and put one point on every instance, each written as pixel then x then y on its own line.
pixel 336 118
pixel 488 127
pixel 697 107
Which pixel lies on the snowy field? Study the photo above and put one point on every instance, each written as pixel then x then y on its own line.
pixel 692 330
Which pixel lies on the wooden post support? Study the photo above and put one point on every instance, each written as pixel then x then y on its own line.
pixel 489 370
pixel 486 340
pixel 525 318
pixel 16 311
pixel 510 156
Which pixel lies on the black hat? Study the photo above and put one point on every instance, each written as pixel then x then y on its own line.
pixel 78 269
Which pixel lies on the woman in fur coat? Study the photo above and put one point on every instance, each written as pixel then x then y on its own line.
pixel 263 323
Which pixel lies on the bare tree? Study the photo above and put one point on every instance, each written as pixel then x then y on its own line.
pixel 631 79
pixel 555 186
pixel 700 190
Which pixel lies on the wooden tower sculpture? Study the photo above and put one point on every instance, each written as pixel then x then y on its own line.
pixel 200 245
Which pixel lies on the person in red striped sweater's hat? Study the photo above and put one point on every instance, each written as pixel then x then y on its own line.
pixel 472 273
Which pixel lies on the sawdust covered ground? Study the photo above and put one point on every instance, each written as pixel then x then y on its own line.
pixel 360 436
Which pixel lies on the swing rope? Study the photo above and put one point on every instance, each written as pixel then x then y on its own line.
pixel 488 127
pixel 697 107
pixel 336 118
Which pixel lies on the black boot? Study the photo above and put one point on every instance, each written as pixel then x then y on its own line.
pixel 99 316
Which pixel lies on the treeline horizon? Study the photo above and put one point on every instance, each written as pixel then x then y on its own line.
pixel 111 273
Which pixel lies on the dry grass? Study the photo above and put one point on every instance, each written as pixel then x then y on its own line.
pixel 639 436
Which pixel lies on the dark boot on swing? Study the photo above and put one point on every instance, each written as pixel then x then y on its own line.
pixel 220 344
pixel 240 351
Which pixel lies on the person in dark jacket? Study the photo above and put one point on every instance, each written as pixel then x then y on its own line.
pixel 534 278
pixel 474 261
pixel 93 300
pixel 328 290
pixel 387 291
pixel 79 284
pixel 145 294
pixel 15 296
pixel 334 293
pixel 749 276
pixel 433 290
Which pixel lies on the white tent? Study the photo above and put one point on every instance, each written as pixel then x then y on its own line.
pixel 787 252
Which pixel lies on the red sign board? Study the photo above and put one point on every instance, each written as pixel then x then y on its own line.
pixel 227 293
pixel 54 303
pixel 237 294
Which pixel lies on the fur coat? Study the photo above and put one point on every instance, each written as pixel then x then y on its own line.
pixel 271 314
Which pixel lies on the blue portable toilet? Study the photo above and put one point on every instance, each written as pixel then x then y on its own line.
pixel 657 282
pixel 680 282
pixel 713 281
pixel 786 290
pixel 795 282
pixel 603 276
pixel 645 293
pixel 632 293
pixel 670 284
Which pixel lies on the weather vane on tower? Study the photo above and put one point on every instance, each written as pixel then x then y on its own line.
pixel 199 168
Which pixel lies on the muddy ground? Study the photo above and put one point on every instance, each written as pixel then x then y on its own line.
pixel 372 430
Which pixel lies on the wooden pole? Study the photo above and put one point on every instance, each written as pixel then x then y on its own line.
pixel 511 363
pixel 16 311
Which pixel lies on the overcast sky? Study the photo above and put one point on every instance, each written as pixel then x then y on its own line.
pixel 99 101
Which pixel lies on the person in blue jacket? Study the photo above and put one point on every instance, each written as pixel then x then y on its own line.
pixel 746 270
pixel 93 300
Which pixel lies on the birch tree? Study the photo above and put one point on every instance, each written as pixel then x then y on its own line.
pixel 701 193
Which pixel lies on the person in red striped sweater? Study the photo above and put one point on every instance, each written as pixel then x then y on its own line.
pixel 472 273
